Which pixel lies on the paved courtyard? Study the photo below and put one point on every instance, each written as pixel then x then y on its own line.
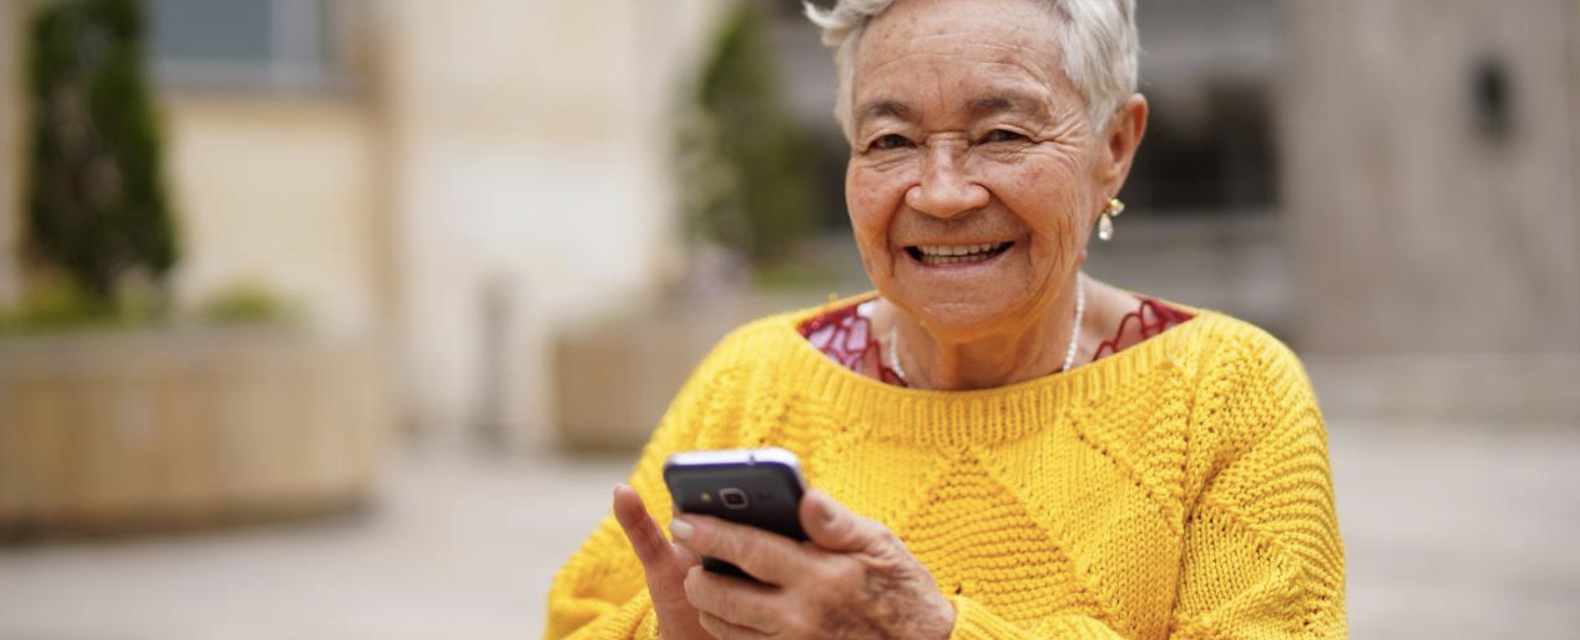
pixel 1452 532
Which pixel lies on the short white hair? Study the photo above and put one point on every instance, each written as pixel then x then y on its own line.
pixel 1099 41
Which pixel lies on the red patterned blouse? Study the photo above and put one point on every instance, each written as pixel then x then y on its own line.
pixel 845 335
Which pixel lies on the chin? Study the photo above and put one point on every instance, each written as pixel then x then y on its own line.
pixel 959 321
pixel 960 306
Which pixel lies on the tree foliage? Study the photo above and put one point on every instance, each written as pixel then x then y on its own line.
pixel 96 206
pixel 746 163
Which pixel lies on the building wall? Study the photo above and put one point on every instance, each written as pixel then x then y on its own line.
pixel 1414 229
pixel 529 187
pixel 278 190
pixel 268 188
pixel 501 172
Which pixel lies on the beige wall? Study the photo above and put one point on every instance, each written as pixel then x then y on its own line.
pixel 498 149
pixel 530 162
pixel 278 190
pixel 1413 231
pixel 267 188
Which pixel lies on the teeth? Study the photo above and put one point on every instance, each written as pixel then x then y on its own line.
pixel 954 250
pixel 953 254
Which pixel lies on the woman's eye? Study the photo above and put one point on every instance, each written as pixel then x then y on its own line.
pixel 891 141
pixel 1003 135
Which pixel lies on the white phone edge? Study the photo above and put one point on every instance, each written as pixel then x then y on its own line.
pixel 748 457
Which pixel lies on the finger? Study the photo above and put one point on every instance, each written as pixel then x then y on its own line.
pixel 684 558
pixel 732 600
pixel 833 527
pixel 765 555
pixel 723 630
pixel 664 563
pixel 652 548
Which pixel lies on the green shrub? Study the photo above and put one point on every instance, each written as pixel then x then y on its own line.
pixel 746 177
pixel 96 207
pixel 246 302
pixel 55 306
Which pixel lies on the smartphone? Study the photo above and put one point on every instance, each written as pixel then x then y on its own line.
pixel 757 487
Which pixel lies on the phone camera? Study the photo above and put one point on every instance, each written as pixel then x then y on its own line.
pixel 733 498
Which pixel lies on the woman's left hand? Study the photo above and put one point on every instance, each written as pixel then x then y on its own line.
pixel 853 579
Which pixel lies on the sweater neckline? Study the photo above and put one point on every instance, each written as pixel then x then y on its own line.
pixel 975 416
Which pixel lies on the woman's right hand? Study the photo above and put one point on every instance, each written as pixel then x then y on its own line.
pixel 665 564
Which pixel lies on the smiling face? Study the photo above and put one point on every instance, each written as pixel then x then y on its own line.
pixel 974 175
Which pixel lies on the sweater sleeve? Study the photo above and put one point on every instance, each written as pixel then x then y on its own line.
pixel 1261 556
pixel 975 622
pixel 601 592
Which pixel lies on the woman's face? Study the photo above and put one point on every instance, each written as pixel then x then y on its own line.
pixel 974 175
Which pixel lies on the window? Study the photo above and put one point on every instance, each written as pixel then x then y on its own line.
pixel 287 44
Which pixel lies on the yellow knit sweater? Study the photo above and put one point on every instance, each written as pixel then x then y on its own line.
pixel 1177 489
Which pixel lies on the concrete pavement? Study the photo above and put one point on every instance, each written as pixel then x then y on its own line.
pixel 1452 532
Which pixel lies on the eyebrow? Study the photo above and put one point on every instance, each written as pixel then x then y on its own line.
pixel 883 109
pixel 1008 103
pixel 1002 103
pixel 977 107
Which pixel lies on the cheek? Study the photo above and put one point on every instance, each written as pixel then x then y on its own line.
pixel 1052 200
pixel 872 199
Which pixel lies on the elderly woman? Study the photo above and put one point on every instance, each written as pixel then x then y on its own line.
pixel 1003 447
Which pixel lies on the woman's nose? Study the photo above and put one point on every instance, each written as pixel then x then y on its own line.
pixel 944 190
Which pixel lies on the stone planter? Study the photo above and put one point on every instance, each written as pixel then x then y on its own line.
pixel 171 429
pixel 614 379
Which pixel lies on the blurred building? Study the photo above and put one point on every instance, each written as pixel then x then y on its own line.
pixel 1430 172
pixel 465 179
pixel 456 179
pixel 1431 165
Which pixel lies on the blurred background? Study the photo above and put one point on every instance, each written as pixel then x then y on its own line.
pixel 340 318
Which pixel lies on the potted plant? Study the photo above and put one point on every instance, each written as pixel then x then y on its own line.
pixel 116 411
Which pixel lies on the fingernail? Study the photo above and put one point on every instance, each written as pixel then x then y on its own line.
pixel 680 528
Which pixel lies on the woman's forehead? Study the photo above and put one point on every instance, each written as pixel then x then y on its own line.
pixel 939 53
pixel 997 27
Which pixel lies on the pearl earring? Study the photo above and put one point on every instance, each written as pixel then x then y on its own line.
pixel 1105 222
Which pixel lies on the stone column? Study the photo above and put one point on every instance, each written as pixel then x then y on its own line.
pixel 1429 173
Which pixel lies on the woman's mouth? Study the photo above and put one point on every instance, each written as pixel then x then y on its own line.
pixel 940 254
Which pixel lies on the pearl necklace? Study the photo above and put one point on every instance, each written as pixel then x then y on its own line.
pixel 1069 353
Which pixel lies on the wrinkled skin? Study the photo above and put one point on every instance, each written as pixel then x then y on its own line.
pixel 966 131
pixel 852 579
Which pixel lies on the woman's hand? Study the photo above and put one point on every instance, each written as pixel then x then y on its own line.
pixel 664 563
pixel 854 579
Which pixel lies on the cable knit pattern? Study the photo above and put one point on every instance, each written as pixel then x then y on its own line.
pixel 1177 489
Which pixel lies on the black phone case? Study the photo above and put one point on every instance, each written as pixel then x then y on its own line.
pixel 773 494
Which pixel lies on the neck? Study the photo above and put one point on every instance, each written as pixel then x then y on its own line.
pixel 1030 350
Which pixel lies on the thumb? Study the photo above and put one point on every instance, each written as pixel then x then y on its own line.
pixel 831 526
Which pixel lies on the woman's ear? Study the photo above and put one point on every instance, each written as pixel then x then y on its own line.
pixel 1125 131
